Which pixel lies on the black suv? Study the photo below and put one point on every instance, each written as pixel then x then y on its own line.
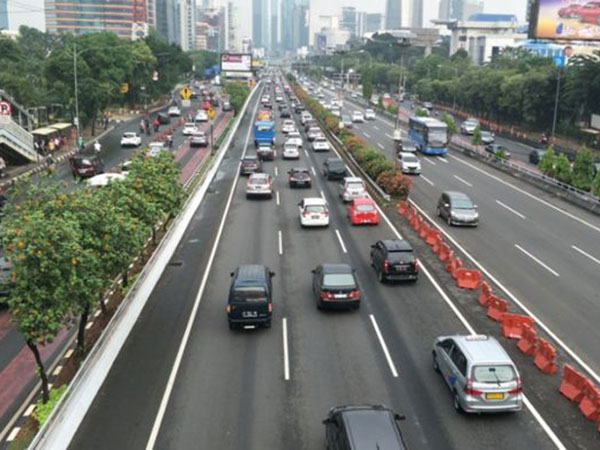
pixel 86 166
pixel 334 169
pixel 250 301
pixel 362 427
pixel 394 260
pixel 250 164
pixel 335 286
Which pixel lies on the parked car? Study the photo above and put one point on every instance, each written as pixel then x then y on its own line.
pixel 457 209
pixel 468 126
pixel 189 129
pixel 174 111
pixel 352 187
pixel 497 150
pixel 363 211
pixel 479 373
pixel 259 185
pixel 227 106
pixel 313 212
pixel 86 166
pixel 394 260
pixel 487 137
pixel 369 114
pixel 299 177
pixel 265 152
pixel 409 163
pixel 198 139
pixel 535 155
pixel 406 145
pixel 250 165
pixel 363 427
pixel 130 139
pixel 290 151
pixel 320 144
pixel 250 299
pixel 334 169
pixel 335 287
pixel 358 116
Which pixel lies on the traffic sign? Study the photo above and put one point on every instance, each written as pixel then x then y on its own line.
pixel 211 113
pixel 5 109
pixel 186 103
pixel 186 93
pixel 124 88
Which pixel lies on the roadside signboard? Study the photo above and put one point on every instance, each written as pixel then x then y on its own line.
pixel 186 93
pixel 5 109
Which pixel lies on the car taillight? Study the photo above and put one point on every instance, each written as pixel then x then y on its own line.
pixel 416 264
pixel 518 389
pixel 326 213
pixel 354 294
pixel 325 295
pixel 386 265
pixel 228 309
pixel 270 307
pixel 469 388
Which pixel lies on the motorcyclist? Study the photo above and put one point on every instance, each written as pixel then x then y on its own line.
pixel 169 140
pixel 142 127
pixel 156 124
pixel 97 146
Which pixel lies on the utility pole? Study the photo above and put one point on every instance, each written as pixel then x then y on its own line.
pixel 556 105
pixel 76 88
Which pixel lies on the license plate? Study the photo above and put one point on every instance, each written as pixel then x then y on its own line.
pixel 315 217
pixel 249 314
pixel 494 396
pixel 401 268
pixel 340 295
pixel 300 182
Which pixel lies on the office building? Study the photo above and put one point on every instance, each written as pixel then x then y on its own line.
pixel 348 20
pixel 3 15
pixel 300 24
pixel 459 9
pixel 416 14
pixel 374 22
pixel 260 23
pixel 187 24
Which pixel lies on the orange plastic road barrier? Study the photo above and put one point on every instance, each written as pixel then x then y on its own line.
pixel 512 325
pixel 544 356
pixel 412 212
pixel 458 264
pixel 573 384
pixel 424 230
pixel 437 245
pixel 496 307
pixel 468 278
pixel 402 207
pixel 445 251
pixel 485 294
pixel 450 261
pixel 420 223
pixel 414 221
pixel 528 340
pixel 432 237
pixel 590 403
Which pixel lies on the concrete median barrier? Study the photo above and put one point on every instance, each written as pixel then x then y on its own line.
pixel 544 356
pixel 573 384
pixel 528 341
pixel 513 325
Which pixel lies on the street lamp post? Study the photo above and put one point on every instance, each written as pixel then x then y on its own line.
pixel 556 105
pixel 76 89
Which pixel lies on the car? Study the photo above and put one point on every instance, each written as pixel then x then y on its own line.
pixel 299 109
pixel 268 105
pixel 406 146
pixel 326 105
pixel 214 101
pixel 201 116
pixel 227 106
pixel 498 150
pixel 334 169
pixel 250 299
pixel 335 287
pixel 358 116
pixel 363 211
pixel 469 126
pixel 369 114
pixel 189 129
pixel 313 133
pixel 265 99
pixel 479 373
pixel 305 116
pixel 299 177
pixel 363 427
pixel 86 166
pixel 311 123
pixel 313 212
pixel 163 118
pixel 590 13
pixel 320 95
pixel 294 137
pixel 536 155
pixel 487 137
pixel 288 126
pixel 259 185
pixel 174 111
pixel 570 11
pixel 321 144
pixel 290 151
pixel 284 112
pixel 250 165
pixel 409 163
pixel 335 110
pixel 198 139
pixel 428 106
pixel 352 187
pixel 130 139
pixel 104 179
pixel 394 260
pixel 346 121
pixel 265 152
pixel 279 99
pixel 154 149
pixel 457 209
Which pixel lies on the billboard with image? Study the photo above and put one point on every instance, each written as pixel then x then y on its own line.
pixel 236 62
pixel 571 20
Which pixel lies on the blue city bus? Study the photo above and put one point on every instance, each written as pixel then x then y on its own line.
pixel 264 132
pixel 431 135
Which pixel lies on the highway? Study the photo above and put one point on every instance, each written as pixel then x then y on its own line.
pixel 233 390
pixel 545 251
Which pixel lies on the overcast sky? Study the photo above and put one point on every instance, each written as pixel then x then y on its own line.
pixel 26 12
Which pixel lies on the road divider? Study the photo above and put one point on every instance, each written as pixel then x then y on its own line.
pixel 544 356
pixel 590 404
pixel 496 308
pixel 468 278
pixel 514 324
pixel 573 384
pixel 528 340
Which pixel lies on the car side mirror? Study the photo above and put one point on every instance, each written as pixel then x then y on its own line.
pixel 399 417
pixel 299 203
pixel 231 274
pixel 326 421
pixel 474 206
pixel 313 271
pixel 446 205
pixel 271 273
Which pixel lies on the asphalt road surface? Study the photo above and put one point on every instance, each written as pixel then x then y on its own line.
pixel 232 389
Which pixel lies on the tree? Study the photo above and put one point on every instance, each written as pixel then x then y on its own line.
pixel 547 162
pixel 238 92
pixel 563 169
pixel 449 121
pixel 367 85
pixel 583 169
pixel 476 140
pixel 421 112
pixel 596 185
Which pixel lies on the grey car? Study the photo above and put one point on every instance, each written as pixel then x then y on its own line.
pixel 457 209
pixel 487 137
pixel 479 373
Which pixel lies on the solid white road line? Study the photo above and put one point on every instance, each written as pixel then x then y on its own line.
pixel 313 170
pixel 511 210
pixel 13 434
pixel 280 240
pixel 389 136
pixel 367 135
pixel 29 410
pixel 463 181
pixel 188 329
pixel 322 195
pixel 443 159
pixel 384 347
pixel 537 260
pixel 286 353
pixel 429 161
pixel 596 260
pixel 427 180
pixel 544 202
pixel 306 153
pixel 275 170
pixel 339 236
pixel 380 146
pixel 277 197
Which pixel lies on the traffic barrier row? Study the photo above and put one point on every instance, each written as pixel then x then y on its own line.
pixel 496 308
pixel 581 390
pixel 514 324
pixel 544 356
pixel 485 294
pixel 528 340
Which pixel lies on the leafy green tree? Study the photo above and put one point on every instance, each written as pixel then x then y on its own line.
pixel 596 184
pixel 421 112
pixel 563 169
pixel 449 121
pixel 583 169
pixel 547 162
pixel 476 140
pixel 203 60
pixel 367 85
pixel 238 92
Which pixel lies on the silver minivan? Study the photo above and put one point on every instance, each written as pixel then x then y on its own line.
pixel 480 374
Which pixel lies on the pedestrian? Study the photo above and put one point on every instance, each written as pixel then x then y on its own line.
pixel 36 146
pixel 57 143
pixel 51 146
pixel 142 128
pixel 97 146
pixel 156 124
pixel 2 167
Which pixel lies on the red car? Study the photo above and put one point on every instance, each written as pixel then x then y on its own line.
pixel 363 211
pixel 207 105
pixel 590 12
pixel 569 11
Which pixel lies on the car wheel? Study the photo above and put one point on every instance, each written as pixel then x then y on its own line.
pixel 449 219
pixel 436 366
pixel 456 402
pixel 268 324
pixel 438 212
pixel 380 276
pixel 320 304
pixel 231 326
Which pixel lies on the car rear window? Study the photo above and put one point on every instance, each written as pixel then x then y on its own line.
pixel 336 164
pixel 315 209
pixel 258 180
pixel 250 294
pixel 401 257
pixel 356 185
pixel 338 279
pixel 494 374
pixel 365 208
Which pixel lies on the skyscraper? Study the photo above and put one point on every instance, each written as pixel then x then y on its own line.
pixel 3 15
pixel 416 14
pixel 459 9
pixel 393 15
pixel 374 22
pixel 349 19
pixel 260 23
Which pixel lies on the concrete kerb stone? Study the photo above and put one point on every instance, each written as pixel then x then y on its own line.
pixel 64 420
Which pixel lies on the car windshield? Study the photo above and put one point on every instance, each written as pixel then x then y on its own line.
pixel 365 208
pixel 338 279
pixel 250 294
pixel 437 137
pixel 337 164
pixel 493 374
pixel 315 209
pixel 409 158
pixel 190 125
pixel 400 257
pixel 462 203
pixel 355 185
pixel 250 160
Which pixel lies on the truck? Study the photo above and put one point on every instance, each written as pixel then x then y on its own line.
pixel 264 132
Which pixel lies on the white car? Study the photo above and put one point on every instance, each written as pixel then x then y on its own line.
pixel 313 133
pixel 290 151
pixel 201 116
pixel 104 179
pixel 294 138
pixel 358 116
pixel 279 99
pixel 189 129
pixel 327 106
pixel 259 185
pixel 313 212
pixel 130 139
pixel 469 125
pixel 369 114
pixel 174 111
pixel 154 148
pixel 305 116
pixel 335 110
pixel 321 144
pixel 351 188
pixel 409 163
pixel 288 126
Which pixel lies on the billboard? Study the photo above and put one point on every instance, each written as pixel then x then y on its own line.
pixel 571 20
pixel 236 62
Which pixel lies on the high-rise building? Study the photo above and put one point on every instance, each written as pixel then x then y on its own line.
pixel 187 24
pixel 300 24
pixel 260 23
pixel 3 15
pixel 374 22
pixel 459 9
pixel 416 14
pixel 348 20
pixel 274 30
